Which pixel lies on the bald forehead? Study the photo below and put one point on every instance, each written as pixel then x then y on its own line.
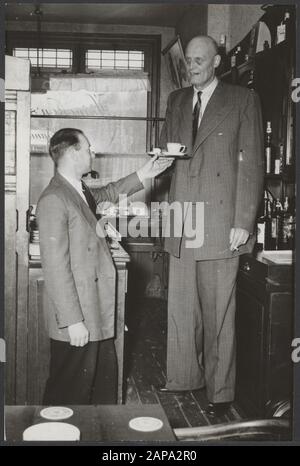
pixel 202 44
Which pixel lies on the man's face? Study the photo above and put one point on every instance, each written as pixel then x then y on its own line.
pixel 85 155
pixel 201 61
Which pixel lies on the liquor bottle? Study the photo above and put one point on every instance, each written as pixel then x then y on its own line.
pixel 238 55
pixel 283 28
pixel 276 225
pixel 263 228
pixel 268 225
pixel 290 28
pixel 260 230
pixel 288 225
pixel 278 162
pixel 269 149
pixel 224 65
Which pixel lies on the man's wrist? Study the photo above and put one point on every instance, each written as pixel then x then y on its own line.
pixel 141 176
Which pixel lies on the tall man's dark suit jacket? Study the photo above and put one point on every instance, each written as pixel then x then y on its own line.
pixel 226 169
pixel 77 265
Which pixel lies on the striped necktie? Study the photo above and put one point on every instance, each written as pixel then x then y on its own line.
pixel 196 113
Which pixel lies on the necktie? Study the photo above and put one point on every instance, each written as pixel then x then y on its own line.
pixel 196 113
pixel 89 198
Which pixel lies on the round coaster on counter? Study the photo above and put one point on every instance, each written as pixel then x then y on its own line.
pixel 49 431
pixel 145 424
pixel 56 413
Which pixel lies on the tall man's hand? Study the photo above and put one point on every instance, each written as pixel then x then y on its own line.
pixel 154 167
pixel 237 237
pixel 79 334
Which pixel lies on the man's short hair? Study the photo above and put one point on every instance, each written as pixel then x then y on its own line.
pixel 62 140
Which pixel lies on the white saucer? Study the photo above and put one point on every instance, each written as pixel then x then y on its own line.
pixel 56 413
pixel 166 155
pixel 145 424
pixel 172 154
pixel 50 431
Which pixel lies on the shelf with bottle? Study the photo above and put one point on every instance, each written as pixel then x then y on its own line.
pixel 275 228
pixel 276 29
pixel 278 158
pixel 280 19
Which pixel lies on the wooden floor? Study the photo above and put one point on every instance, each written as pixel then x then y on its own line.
pixel 145 367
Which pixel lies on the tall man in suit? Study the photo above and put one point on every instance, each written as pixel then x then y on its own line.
pixel 221 126
pixel 79 291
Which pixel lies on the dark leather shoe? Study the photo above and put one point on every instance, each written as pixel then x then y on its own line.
pixel 217 409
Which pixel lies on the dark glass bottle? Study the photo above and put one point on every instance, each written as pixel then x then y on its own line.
pixel 288 225
pixel 263 231
pixel 234 70
pixel 276 225
pixel 269 150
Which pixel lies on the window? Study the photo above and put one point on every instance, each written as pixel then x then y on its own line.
pixel 105 84
pixel 46 58
pixel 114 60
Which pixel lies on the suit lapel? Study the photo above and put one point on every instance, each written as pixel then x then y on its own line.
pixel 216 110
pixel 77 200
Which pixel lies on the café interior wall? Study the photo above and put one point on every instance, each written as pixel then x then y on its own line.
pixel 235 21
pixel 193 23
pixel 166 33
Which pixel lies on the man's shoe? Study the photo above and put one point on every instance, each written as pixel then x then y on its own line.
pixel 217 409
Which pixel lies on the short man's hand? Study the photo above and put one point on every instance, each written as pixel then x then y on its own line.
pixel 154 167
pixel 79 334
pixel 237 237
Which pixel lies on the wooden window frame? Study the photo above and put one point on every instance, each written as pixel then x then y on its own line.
pixel 80 42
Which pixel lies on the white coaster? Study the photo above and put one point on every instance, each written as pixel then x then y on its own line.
pixel 56 413
pixel 49 431
pixel 145 424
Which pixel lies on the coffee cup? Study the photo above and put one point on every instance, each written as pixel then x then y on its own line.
pixel 175 147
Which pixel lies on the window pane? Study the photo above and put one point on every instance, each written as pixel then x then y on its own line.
pixel 54 58
pixel 108 54
pixel 114 59
pixel 108 64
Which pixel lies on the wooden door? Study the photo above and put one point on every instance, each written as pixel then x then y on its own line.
pixel 17 150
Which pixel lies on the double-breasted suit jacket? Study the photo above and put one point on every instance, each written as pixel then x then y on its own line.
pixel 226 168
pixel 78 269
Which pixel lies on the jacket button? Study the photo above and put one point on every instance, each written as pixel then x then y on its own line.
pixel 96 279
pixel 89 248
pixel 218 174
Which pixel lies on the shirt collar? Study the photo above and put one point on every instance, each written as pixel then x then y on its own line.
pixel 208 90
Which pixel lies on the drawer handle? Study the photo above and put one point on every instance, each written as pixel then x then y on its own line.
pixel 247 267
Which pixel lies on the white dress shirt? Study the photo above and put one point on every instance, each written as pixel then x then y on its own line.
pixel 75 183
pixel 205 96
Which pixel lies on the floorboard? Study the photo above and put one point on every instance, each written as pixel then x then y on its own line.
pixel 145 367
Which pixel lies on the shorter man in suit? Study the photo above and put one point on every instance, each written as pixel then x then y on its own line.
pixel 79 289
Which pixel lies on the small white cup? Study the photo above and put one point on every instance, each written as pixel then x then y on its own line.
pixel 175 147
